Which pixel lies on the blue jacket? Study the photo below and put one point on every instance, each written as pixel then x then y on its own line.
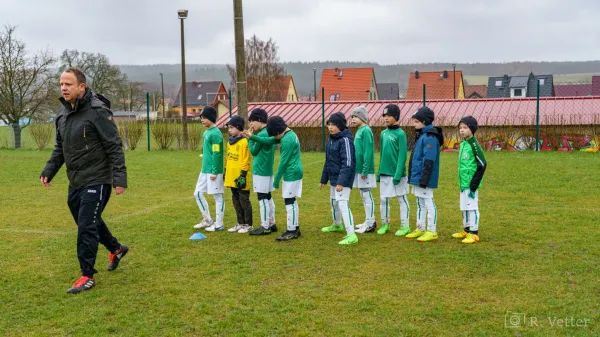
pixel 424 164
pixel 340 164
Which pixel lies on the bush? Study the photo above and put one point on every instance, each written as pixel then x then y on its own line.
pixel 41 134
pixel 163 134
pixel 131 133
pixel 195 132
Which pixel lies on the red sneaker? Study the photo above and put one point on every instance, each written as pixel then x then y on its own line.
pixel 84 283
pixel 115 258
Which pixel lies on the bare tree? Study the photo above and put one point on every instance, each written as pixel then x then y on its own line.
pixel 26 82
pixel 265 76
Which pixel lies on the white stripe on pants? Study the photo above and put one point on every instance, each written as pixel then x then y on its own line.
pixel 384 209
pixel 219 205
pixel 426 206
pixel 369 205
pixel 271 203
pixel 340 211
pixel 293 214
pixel 471 220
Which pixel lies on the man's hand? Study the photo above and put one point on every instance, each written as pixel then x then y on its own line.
pixel 363 177
pixel 119 190
pixel 213 178
pixel 44 181
pixel 321 186
pixel 339 188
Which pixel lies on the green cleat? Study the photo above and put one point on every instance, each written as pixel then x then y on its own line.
pixel 349 240
pixel 384 229
pixel 333 228
pixel 403 231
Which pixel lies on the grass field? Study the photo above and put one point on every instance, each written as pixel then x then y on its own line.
pixel 539 256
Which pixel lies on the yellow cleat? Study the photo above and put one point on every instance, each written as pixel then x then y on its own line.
pixel 461 235
pixel 427 236
pixel 471 238
pixel 414 234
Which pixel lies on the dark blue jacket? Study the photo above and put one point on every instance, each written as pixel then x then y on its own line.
pixel 340 164
pixel 424 164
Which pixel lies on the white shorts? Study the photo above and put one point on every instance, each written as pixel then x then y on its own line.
pixel 262 184
pixel 420 192
pixel 339 196
pixel 359 182
pixel 292 189
pixel 205 185
pixel 387 189
pixel 468 204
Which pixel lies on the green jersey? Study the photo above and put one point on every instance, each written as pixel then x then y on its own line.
pixel 364 151
pixel 290 166
pixel 263 156
pixel 392 161
pixel 471 165
pixel 212 151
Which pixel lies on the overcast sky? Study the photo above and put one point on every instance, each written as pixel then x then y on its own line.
pixel 383 31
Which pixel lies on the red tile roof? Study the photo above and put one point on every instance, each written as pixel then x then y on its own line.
pixel 595 85
pixel 437 86
pixel 471 89
pixel 349 83
pixel 570 90
pixel 489 112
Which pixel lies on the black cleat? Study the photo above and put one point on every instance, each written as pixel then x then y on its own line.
pixel 84 283
pixel 116 257
pixel 289 235
pixel 273 228
pixel 261 231
pixel 371 229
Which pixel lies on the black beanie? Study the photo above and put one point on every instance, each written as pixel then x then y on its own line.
pixel 338 119
pixel 276 126
pixel 209 113
pixel 236 122
pixel 258 115
pixel 424 115
pixel 392 110
pixel 471 122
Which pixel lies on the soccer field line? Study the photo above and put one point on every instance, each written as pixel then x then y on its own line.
pixel 145 210
pixel 33 231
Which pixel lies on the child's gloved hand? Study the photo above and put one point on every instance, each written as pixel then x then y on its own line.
pixel 471 194
pixel 240 182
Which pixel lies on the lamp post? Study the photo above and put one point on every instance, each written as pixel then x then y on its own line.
pixel 162 86
pixel 315 81
pixel 182 13
pixel 454 78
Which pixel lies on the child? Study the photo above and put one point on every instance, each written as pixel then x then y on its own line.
pixel 471 167
pixel 262 169
pixel 424 171
pixel 392 171
pixel 211 176
pixel 339 170
pixel 365 167
pixel 290 169
pixel 236 174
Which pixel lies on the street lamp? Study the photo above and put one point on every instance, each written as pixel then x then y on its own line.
pixel 162 85
pixel 454 78
pixel 182 13
pixel 315 81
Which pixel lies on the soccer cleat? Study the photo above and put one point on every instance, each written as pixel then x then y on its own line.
pixel 460 235
pixel 245 229
pixel 261 231
pixel 366 228
pixel 427 236
pixel 235 228
pixel 384 229
pixel 215 228
pixel 289 235
pixel 273 228
pixel 403 231
pixel 333 228
pixel 115 258
pixel 203 224
pixel 358 226
pixel 471 238
pixel 349 240
pixel 84 283
pixel 414 234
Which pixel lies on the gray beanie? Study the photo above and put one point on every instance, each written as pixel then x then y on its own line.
pixel 361 112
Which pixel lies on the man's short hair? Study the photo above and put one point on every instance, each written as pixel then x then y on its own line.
pixel 78 74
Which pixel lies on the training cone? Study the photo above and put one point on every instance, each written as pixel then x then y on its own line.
pixel 198 236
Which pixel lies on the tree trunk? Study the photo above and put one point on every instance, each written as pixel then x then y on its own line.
pixel 16 135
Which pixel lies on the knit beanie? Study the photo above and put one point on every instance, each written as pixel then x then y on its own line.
pixel 237 122
pixel 209 113
pixel 392 110
pixel 360 112
pixel 258 115
pixel 424 115
pixel 338 119
pixel 471 122
pixel 275 126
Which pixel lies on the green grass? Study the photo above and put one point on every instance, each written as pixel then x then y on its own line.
pixel 539 255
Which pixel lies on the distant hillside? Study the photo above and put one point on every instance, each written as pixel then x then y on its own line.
pixel 475 73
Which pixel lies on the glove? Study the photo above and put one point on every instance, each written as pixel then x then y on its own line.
pixel 471 194
pixel 240 182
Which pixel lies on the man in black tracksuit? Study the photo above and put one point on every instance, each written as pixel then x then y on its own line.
pixel 88 142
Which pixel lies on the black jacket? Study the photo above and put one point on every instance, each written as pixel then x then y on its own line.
pixel 340 164
pixel 88 142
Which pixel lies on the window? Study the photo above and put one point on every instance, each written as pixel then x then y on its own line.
pixel 541 81
pixel 193 110
pixel 517 92
pixel 200 97
pixel 341 73
pixel 498 83
pixel 332 97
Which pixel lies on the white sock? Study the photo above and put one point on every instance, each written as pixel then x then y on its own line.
pixel 384 210
pixel 220 208
pixel 369 204
pixel 474 220
pixel 466 225
pixel 404 211
pixel 202 205
pixel 291 216
pixel 336 213
pixel 271 213
pixel 264 213
pixel 421 213
pixel 297 212
pixel 347 216
pixel 431 215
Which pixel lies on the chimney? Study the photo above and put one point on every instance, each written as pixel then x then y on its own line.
pixel 194 83
pixel 445 74
pixel 416 74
